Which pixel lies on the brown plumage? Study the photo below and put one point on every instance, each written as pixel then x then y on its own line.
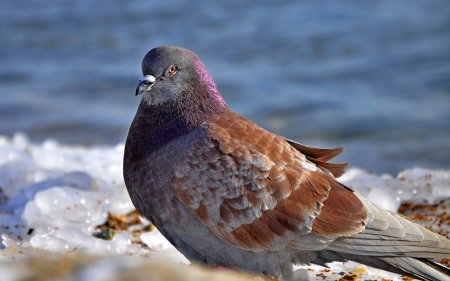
pixel 224 191
pixel 279 194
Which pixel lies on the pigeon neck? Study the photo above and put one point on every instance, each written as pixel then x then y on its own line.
pixel 155 126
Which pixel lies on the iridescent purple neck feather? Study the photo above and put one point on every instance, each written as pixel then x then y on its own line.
pixel 208 81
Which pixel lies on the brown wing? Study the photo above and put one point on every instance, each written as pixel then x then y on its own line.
pixel 256 191
pixel 320 156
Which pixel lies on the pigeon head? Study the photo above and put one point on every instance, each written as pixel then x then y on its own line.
pixel 174 75
pixel 178 96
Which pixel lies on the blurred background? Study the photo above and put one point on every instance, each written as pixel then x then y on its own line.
pixel 372 76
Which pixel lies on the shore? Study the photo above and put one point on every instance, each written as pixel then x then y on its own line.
pixel 65 212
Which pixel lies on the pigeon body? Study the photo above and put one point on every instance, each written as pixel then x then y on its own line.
pixel 226 192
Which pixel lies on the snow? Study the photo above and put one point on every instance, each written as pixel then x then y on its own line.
pixel 53 196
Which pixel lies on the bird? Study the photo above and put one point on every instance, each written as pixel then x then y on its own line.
pixel 226 192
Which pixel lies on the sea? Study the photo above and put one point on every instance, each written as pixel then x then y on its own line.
pixel 373 76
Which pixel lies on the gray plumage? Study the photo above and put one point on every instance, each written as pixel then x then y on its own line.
pixel 226 192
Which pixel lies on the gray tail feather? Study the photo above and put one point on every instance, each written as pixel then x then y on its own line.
pixel 423 269
pixel 439 267
pixel 418 268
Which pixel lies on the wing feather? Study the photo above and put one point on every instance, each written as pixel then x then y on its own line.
pixel 320 156
pixel 257 191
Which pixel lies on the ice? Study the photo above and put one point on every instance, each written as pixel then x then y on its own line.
pixel 79 180
pixel 50 243
pixel 385 198
pixel 423 183
pixel 155 241
pixel 53 196
pixel 381 190
pixel 51 188
pixel 66 206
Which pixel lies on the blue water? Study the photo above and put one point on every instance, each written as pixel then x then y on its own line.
pixel 373 76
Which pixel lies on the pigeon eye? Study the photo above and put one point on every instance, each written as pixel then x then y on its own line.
pixel 173 69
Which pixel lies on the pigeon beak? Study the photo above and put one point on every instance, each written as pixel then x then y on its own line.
pixel 145 84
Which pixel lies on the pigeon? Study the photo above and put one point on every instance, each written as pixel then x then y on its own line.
pixel 226 192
